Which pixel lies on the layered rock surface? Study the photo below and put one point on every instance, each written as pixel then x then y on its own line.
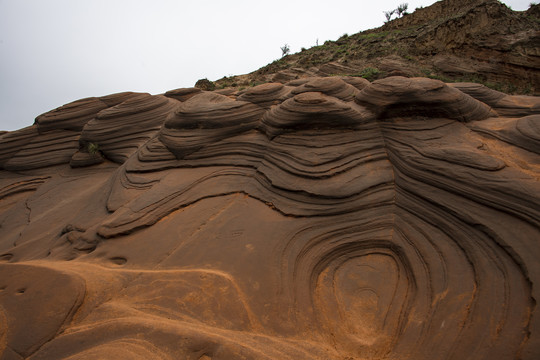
pixel 323 218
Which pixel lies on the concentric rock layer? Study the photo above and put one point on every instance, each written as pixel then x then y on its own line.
pixel 326 218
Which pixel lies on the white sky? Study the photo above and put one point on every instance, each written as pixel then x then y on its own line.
pixel 56 51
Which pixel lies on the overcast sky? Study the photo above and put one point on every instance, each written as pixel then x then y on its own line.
pixel 56 51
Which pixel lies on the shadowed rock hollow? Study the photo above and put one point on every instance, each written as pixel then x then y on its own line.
pixel 325 218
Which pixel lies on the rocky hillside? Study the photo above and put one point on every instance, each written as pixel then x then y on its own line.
pixel 479 41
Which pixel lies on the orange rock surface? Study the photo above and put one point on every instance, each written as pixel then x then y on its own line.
pixel 319 219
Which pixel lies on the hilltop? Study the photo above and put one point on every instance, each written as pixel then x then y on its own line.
pixel 451 40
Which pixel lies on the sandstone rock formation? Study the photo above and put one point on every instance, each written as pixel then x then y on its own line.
pixel 323 218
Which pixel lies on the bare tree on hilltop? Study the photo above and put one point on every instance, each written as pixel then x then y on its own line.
pixel 402 9
pixel 399 11
pixel 285 50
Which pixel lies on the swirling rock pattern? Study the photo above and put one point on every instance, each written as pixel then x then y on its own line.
pixel 12 142
pixel 120 130
pixel 505 105
pixel 401 96
pixel 75 115
pixel 205 119
pixel 27 149
pixel 115 125
pixel 324 218
pixel 332 86
pixel 266 95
